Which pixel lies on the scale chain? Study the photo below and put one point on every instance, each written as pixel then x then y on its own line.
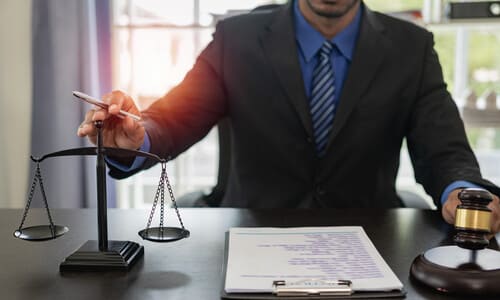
pixel 44 196
pixel 155 201
pixel 30 198
pixel 169 187
pixel 162 202
pixel 37 178
pixel 160 195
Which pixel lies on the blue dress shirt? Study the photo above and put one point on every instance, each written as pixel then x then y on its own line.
pixel 309 41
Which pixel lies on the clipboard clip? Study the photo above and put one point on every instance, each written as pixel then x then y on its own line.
pixel 313 287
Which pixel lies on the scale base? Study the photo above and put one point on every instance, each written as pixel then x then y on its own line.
pixel 455 270
pixel 121 256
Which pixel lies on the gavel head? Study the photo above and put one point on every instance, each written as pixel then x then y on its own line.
pixel 473 217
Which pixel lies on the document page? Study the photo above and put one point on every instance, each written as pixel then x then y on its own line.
pixel 259 256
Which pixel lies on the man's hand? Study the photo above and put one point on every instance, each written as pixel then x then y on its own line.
pixel 450 207
pixel 118 131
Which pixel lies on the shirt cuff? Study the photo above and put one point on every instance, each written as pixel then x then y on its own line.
pixel 455 185
pixel 138 161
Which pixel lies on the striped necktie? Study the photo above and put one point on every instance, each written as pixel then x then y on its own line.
pixel 322 103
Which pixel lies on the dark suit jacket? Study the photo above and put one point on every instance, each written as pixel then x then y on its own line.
pixel 251 74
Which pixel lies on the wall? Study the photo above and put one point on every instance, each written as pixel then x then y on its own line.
pixel 15 101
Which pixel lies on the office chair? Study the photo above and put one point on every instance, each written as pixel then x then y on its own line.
pixel 214 197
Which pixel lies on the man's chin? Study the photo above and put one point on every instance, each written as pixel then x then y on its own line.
pixel 331 9
pixel 330 14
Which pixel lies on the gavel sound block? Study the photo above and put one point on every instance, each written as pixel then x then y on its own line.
pixel 467 267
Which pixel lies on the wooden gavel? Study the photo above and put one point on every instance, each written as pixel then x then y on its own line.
pixel 473 219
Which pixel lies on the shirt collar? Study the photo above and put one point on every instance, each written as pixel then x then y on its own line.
pixel 310 40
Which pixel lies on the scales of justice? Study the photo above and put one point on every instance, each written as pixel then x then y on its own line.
pixel 468 267
pixel 103 254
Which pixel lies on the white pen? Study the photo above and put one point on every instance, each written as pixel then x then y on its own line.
pixel 99 103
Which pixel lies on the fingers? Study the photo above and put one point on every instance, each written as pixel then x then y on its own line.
pixel 99 115
pixel 118 100
pixel 87 127
pixel 115 100
pixel 495 214
pixel 450 206
pixel 118 131
pixel 129 125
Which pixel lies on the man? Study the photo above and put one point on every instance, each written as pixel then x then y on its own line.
pixel 320 95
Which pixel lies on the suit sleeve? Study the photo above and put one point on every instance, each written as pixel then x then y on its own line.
pixel 437 141
pixel 187 113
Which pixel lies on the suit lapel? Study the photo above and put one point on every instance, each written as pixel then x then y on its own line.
pixel 369 54
pixel 278 41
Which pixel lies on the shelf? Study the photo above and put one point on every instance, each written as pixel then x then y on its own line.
pixel 481 117
pixel 483 23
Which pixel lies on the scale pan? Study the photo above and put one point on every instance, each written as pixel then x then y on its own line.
pixel 164 234
pixel 40 232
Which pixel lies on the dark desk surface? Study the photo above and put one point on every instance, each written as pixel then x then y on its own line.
pixel 190 268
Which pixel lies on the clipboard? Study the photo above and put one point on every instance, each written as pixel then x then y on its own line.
pixel 311 292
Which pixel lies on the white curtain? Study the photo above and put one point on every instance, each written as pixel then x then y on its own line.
pixel 71 51
pixel 15 100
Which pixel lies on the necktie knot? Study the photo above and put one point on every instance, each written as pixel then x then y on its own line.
pixel 326 49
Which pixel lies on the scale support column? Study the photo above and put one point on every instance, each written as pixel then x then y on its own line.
pixel 103 255
pixel 102 203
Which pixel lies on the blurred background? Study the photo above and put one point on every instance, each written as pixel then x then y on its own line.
pixel 144 47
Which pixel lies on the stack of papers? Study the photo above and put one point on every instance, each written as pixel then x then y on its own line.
pixel 259 256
